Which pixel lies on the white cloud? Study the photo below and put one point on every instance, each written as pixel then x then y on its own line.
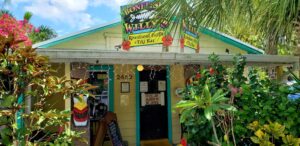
pixel 115 4
pixel 71 12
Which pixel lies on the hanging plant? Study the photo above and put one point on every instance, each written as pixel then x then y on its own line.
pixel 182 43
pixel 167 40
pixel 126 45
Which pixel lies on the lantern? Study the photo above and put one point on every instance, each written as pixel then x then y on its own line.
pixel 140 67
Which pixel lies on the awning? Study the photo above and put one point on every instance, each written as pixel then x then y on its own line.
pixel 158 58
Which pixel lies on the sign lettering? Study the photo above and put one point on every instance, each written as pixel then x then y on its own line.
pixel 140 26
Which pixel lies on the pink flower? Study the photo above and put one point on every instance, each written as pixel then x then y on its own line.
pixel 28 43
pixel 3 33
pixel 5 16
pixel 36 30
pixel 16 30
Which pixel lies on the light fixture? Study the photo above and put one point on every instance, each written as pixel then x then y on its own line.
pixel 140 67
pixel 118 47
pixel 227 51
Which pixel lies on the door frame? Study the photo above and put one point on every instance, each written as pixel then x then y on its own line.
pixel 137 95
pixel 111 77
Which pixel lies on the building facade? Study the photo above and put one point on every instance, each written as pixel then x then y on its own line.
pixel 140 85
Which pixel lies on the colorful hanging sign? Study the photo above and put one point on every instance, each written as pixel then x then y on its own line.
pixel 140 26
pixel 190 37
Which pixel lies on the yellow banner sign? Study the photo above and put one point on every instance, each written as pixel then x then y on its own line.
pixel 190 41
pixel 148 38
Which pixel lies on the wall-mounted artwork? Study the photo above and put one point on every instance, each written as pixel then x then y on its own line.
pixel 80 110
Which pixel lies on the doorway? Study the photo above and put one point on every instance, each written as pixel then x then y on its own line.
pixel 153 104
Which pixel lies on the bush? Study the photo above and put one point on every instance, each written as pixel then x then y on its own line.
pixel 256 97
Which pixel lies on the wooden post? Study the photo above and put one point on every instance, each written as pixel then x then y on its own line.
pixel 68 77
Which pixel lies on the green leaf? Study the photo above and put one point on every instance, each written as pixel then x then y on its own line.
pixel 228 107
pixel 208 112
pixel 41 119
pixel 206 93
pixel 185 104
pixel 254 139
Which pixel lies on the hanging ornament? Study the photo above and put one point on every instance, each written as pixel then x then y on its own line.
pixel 140 67
pixel 198 48
pixel 126 45
pixel 167 40
pixel 80 111
pixel 182 43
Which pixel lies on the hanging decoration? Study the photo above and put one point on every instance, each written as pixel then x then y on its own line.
pixel 181 43
pixel 140 67
pixel 198 48
pixel 80 111
pixel 167 40
pixel 190 36
pixel 126 45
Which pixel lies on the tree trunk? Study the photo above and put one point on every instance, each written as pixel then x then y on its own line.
pixel 297 49
pixel 272 46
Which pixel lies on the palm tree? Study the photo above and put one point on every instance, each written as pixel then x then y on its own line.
pixel 41 33
pixel 2 11
pixel 273 20
pixel 44 33
pixel 278 20
pixel 27 16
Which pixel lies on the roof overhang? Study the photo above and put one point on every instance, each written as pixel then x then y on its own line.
pixel 164 58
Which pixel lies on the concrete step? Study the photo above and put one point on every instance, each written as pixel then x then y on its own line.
pixel 156 142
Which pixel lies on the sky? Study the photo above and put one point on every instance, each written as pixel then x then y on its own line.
pixel 67 16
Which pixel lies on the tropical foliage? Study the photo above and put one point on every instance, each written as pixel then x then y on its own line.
pixel 42 33
pixel 24 75
pixel 255 98
pixel 269 24
pixel 37 34
pixel 272 134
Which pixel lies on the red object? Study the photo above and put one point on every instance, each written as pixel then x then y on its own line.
pixel 36 30
pixel 80 115
pixel 18 31
pixel 167 40
pixel 182 43
pixel 211 71
pixel 198 75
pixel 183 142
pixel 126 45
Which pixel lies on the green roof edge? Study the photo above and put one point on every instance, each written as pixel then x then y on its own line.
pixel 46 45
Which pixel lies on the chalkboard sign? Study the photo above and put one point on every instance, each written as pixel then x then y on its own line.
pixel 114 133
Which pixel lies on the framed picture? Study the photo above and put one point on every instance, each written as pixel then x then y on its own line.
pixel 125 87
